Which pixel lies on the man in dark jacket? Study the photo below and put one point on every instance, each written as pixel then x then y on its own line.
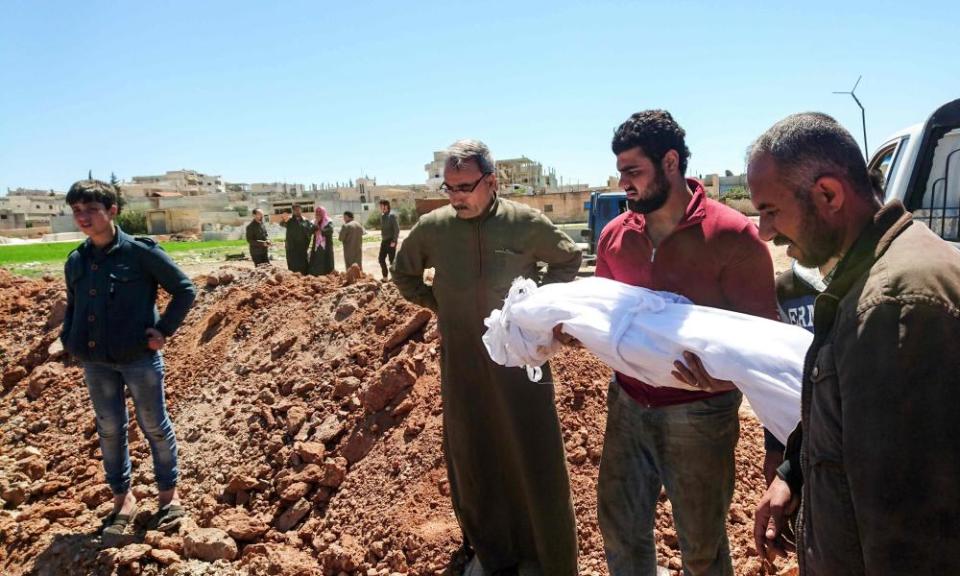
pixel 112 326
pixel 501 433
pixel 874 456
pixel 389 236
pixel 298 234
pixel 257 239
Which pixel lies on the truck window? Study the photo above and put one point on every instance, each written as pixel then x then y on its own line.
pixel 939 205
pixel 886 160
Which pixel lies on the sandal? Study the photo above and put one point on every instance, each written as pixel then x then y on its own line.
pixel 168 518
pixel 116 524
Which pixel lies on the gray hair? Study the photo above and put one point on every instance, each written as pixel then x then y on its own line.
pixel 809 145
pixel 470 150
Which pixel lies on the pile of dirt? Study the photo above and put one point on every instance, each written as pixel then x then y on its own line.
pixel 307 413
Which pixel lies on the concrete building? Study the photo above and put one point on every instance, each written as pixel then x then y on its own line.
pixel 515 175
pixel 278 189
pixel 186 182
pixel 173 221
pixel 524 176
pixel 435 170
pixel 25 208
pixel 719 186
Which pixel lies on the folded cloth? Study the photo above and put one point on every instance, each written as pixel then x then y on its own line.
pixel 641 333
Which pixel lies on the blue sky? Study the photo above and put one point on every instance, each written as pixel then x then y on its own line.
pixel 327 91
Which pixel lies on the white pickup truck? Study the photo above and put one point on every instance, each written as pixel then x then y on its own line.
pixel 921 168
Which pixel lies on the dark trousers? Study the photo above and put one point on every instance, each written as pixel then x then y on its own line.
pixel 386 251
pixel 259 256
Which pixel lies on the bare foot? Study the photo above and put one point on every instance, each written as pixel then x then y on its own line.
pixel 124 503
pixel 168 497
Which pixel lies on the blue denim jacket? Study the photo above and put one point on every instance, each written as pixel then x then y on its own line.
pixel 112 295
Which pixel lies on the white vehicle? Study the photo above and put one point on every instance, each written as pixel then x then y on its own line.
pixel 921 168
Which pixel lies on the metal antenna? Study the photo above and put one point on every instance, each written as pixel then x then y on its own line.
pixel 863 115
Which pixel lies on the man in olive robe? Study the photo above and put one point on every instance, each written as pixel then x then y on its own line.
pixel 502 440
pixel 351 236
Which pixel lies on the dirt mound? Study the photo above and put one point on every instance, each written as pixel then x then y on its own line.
pixel 308 419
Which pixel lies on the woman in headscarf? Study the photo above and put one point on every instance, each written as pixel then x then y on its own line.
pixel 321 249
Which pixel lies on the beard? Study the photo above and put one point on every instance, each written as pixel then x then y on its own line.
pixel 657 194
pixel 820 241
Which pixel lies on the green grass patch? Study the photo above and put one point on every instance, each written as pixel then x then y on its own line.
pixel 35 260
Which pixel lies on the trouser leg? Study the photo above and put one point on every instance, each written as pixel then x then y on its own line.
pixel 627 488
pixel 106 389
pixel 698 471
pixel 145 381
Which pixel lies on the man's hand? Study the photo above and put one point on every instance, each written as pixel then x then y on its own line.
pixel 694 374
pixel 769 521
pixel 393 244
pixel 155 339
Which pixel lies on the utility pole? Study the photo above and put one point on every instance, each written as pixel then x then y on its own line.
pixel 863 116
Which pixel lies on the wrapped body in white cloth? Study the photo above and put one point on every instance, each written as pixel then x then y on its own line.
pixel 640 333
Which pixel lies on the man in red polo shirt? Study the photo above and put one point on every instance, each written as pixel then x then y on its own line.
pixel 674 238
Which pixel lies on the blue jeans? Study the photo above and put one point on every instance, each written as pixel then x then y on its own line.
pixel 689 450
pixel 144 379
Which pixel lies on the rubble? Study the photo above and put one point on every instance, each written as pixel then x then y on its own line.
pixel 308 418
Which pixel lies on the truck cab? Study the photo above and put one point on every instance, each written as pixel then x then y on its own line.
pixel 921 168
pixel 601 209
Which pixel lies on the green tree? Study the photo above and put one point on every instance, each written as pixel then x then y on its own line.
pixel 132 221
pixel 373 220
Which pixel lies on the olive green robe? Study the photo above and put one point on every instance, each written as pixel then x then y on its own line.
pixel 351 235
pixel 502 440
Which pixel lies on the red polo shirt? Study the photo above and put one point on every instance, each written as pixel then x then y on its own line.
pixel 714 257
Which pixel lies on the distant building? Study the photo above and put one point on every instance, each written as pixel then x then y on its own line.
pixel 718 186
pixel 435 170
pixel 27 208
pixel 277 189
pixel 514 175
pixel 525 176
pixel 186 182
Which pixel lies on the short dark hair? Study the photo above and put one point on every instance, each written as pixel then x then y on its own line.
pixel 86 191
pixel 808 145
pixel 385 203
pixel 348 214
pixel 296 205
pixel 656 133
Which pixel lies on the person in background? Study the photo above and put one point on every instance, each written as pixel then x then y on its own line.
pixel 297 246
pixel 389 236
pixel 351 236
pixel 257 239
pixel 321 250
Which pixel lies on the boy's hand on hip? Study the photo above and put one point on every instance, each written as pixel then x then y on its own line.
pixel 155 339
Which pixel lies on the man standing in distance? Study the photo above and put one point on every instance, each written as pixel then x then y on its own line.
pixel 502 441
pixel 298 234
pixel 389 236
pixel 674 238
pixel 257 239
pixel 874 459
pixel 351 236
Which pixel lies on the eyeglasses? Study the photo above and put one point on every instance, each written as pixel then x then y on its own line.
pixel 462 188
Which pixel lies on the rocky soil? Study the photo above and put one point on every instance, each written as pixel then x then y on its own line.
pixel 308 418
